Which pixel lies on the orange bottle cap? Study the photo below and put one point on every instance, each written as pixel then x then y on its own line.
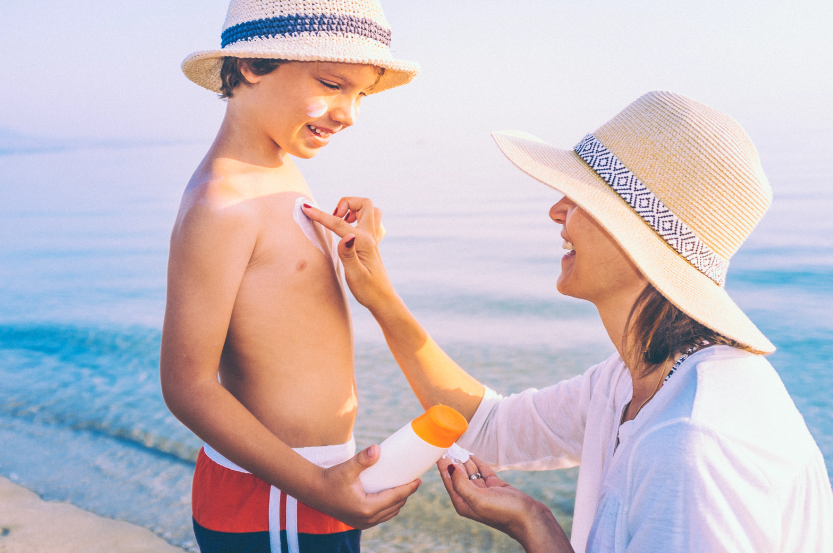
pixel 440 426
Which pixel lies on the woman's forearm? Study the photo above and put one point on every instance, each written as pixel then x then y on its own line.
pixel 543 534
pixel 433 375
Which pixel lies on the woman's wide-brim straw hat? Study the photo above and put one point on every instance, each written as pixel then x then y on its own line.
pixel 345 31
pixel 679 185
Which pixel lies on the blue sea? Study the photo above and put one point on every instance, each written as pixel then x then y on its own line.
pixel 83 249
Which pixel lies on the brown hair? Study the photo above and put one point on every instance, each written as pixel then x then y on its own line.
pixel 658 329
pixel 232 77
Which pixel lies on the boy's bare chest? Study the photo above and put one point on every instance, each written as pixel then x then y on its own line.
pixel 291 278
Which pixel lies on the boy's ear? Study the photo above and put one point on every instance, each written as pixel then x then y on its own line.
pixel 246 70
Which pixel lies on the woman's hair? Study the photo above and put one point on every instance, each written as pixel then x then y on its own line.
pixel 657 329
pixel 232 77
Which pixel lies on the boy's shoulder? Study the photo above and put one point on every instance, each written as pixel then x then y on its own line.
pixel 220 192
pixel 253 209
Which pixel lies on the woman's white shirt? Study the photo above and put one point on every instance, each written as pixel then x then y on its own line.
pixel 719 460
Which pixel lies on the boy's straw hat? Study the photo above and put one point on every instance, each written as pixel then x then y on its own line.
pixel 678 185
pixel 347 31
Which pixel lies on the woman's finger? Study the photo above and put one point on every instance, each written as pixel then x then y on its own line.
pixel 463 509
pixel 489 476
pixel 471 469
pixel 359 211
pixel 339 226
pixel 380 228
pixel 467 490
pixel 347 248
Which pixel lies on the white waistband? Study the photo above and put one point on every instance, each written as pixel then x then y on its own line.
pixel 324 456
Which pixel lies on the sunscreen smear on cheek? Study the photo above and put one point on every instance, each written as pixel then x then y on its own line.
pixel 413 449
pixel 317 109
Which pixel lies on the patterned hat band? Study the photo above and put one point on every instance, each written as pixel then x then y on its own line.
pixel 651 209
pixel 317 24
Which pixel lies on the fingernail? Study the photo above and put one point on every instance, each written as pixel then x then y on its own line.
pixel 335 210
pixel 307 206
pixel 349 243
pixel 450 470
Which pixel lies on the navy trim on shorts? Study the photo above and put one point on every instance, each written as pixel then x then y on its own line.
pixel 211 541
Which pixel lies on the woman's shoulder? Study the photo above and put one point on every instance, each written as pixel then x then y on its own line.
pixel 735 401
pixel 608 373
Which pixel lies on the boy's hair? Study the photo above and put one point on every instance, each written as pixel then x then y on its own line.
pixel 231 76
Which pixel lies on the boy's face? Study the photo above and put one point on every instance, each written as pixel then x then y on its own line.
pixel 301 105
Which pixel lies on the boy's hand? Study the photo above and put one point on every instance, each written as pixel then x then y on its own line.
pixel 358 249
pixel 344 498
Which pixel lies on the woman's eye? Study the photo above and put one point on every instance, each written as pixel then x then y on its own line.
pixel 331 86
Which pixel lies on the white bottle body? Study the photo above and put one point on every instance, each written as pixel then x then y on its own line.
pixel 404 458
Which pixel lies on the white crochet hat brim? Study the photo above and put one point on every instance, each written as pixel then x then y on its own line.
pixel 673 276
pixel 203 68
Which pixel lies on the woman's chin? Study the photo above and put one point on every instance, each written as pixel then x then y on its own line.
pixel 562 285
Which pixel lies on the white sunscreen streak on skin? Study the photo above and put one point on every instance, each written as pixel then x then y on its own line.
pixel 306 224
pixel 317 109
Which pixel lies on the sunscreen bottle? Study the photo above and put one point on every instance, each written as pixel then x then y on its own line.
pixel 411 450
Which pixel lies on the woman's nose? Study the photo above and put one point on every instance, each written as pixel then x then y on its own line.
pixel 558 212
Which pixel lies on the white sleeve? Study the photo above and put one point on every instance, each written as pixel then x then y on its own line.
pixel 692 490
pixel 532 430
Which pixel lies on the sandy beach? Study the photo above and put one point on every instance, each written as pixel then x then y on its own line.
pixel 28 525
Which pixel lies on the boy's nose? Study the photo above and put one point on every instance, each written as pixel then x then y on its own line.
pixel 345 113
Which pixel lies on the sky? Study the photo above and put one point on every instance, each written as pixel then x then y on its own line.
pixel 97 70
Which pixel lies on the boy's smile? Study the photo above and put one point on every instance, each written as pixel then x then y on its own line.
pixel 301 105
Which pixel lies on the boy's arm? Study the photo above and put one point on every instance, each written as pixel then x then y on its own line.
pixel 210 249
pixel 433 375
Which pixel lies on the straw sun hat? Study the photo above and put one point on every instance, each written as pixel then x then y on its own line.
pixel 678 185
pixel 347 31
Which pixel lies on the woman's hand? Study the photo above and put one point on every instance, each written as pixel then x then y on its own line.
pixel 491 501
pixel 358 249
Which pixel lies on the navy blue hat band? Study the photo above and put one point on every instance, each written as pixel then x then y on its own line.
pixel 294 25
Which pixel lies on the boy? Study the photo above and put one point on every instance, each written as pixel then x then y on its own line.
pixel 257 354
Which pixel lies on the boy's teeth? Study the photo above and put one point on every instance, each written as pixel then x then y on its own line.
pixel 567 245
pixel 318 131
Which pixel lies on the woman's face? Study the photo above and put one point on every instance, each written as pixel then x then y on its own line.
pixel 595 268
pixel 301 105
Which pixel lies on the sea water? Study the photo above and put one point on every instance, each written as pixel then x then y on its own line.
pixel 83 248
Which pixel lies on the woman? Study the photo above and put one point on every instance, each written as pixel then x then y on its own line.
pixel 686 438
